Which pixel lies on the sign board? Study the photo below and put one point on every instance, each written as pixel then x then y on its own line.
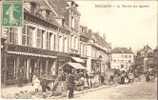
pixel 12 13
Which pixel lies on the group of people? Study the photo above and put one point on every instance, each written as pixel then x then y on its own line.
pixel 121 77
pixel 124 77
pixel 72 80
pixel 66 81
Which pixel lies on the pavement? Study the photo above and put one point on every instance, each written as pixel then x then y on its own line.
pixel 134 91
pixel 77 93
pixel 9 92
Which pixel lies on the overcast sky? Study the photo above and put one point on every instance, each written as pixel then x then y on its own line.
pixel 133 26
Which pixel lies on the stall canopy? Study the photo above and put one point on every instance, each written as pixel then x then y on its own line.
pixel 76 65
pixel 79 60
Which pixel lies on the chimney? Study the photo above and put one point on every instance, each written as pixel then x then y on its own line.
pixel 89 31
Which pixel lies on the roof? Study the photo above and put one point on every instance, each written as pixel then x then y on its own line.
pixel 42 4
pixel 146 48
pixel 50 20
pixel 121 50
pixel 59 6
pixel 100 41
pixel 97 38
pixel 86 35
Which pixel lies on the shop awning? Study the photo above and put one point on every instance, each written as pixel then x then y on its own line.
pixel 76 65
pixel 30 54
pixel 79 60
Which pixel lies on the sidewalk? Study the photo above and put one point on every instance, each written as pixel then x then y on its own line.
pixel 10 91
pixel 82 92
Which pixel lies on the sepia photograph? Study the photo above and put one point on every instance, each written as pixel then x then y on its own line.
pixel 79 49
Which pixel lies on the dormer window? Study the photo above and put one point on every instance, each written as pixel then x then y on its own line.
pixel 46 13
pixel 33 7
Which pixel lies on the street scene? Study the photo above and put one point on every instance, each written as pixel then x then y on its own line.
pixel 75 49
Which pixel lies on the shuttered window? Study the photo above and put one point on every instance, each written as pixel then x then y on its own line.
pixel 27 35
pixel 12 35
pixel 39 38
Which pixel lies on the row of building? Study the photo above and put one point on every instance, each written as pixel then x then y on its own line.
pixel 51 36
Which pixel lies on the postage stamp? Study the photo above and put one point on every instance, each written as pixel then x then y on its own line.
pixel 12 13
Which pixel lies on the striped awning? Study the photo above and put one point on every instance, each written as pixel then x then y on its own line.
pixel 30 54
pixel 79 60
pixel 75 65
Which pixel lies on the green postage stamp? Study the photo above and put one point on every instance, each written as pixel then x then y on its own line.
pixel 12 13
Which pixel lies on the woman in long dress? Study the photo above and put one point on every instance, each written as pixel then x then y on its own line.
pixel 36 83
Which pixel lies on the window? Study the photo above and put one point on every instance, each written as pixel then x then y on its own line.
pixel 23 67
pixel 39 38
pixel 129 61
pixel 12 35
pixel 122 66
pixel 11 66
pixel 48 40
pixel 33 7
pixel 43 39
pixel 55 42
pixel 65 44
pixel 75 42
pixel 86 50
pixel 27 35
pixel 73 21
pixel 72 41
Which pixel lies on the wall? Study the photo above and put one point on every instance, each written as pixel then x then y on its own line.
pixel 117 60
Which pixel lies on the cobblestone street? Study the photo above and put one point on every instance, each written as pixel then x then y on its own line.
pixel 135 91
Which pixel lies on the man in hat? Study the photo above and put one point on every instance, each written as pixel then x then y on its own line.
pixel 70 84
pixel 44 85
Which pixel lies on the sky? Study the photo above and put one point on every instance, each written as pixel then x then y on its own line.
pixel 124 23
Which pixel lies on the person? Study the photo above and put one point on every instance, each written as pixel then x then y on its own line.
pixel 20 76
pixel 86 80
pixel 102 79
pixel 44 85
pixel 70 84
pixel 147 76
pixel 63 83
pixel 82 82
pixel 35 83
pixel 131 77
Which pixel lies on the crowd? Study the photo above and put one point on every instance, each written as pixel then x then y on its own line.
pixel 77 80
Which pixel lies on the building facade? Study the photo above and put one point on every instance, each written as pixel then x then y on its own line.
pixel 122 58
pixel 95 50
pixel 47 39
pixel 146 58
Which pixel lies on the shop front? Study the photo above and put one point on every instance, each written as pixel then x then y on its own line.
pixel 22 63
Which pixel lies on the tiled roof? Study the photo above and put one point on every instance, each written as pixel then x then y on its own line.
pixel 100 41
pixel 86 35
pixel 59 6
pixel 97 38
pixel 121 50
pixel 39 2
